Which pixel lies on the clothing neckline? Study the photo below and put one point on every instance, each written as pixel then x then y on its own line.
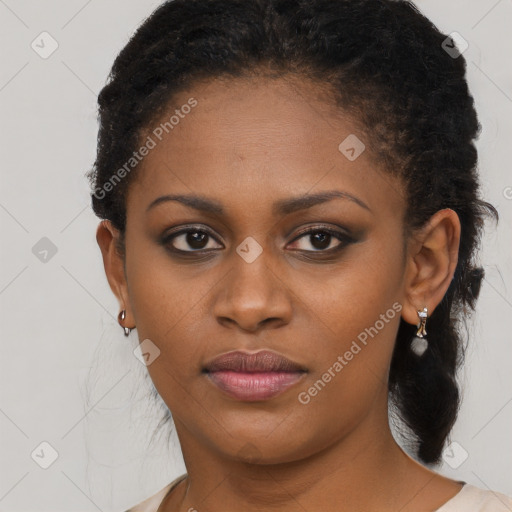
pixel 462 490
pixel 171 486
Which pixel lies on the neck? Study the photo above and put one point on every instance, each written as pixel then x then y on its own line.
pixel 364 469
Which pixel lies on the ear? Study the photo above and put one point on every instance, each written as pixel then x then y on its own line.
pixel 107 237
pixel 431 261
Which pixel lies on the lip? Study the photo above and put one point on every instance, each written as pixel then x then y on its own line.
pixel 253 376
pixel 260 361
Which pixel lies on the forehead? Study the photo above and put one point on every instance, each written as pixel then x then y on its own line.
pixel 258 139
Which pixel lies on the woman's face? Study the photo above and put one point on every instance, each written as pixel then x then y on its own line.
pixel 331 305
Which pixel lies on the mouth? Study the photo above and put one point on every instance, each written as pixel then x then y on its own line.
pixel 253 377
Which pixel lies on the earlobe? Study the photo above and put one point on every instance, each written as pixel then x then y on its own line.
pixel 431 263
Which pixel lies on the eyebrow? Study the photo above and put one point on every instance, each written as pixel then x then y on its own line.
pixel 281 207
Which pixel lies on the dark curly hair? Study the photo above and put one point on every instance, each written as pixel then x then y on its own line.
pixel 386 67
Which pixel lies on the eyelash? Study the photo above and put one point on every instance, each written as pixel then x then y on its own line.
pixel 343 238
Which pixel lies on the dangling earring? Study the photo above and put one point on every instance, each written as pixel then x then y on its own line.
pixel 419 343
pixel 120 318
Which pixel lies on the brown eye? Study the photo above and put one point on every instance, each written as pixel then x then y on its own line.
pixel 321 240
pixel 189 240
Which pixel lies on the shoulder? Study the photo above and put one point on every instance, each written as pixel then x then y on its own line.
pixel 474 499
pixel 151 504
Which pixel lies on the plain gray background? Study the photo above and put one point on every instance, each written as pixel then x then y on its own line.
pixel 58 315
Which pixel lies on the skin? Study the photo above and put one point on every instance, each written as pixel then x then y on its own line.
pixel 247 144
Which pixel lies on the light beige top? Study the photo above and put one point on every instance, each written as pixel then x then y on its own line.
pixel 468 499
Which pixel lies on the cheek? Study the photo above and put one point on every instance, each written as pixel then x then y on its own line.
pixel 172 305
pixel 358 308
pixel 350 296
pixel 159 298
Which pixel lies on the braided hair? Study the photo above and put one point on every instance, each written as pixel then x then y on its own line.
pixel 386 66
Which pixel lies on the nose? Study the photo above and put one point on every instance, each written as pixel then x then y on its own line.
pixel 253 297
